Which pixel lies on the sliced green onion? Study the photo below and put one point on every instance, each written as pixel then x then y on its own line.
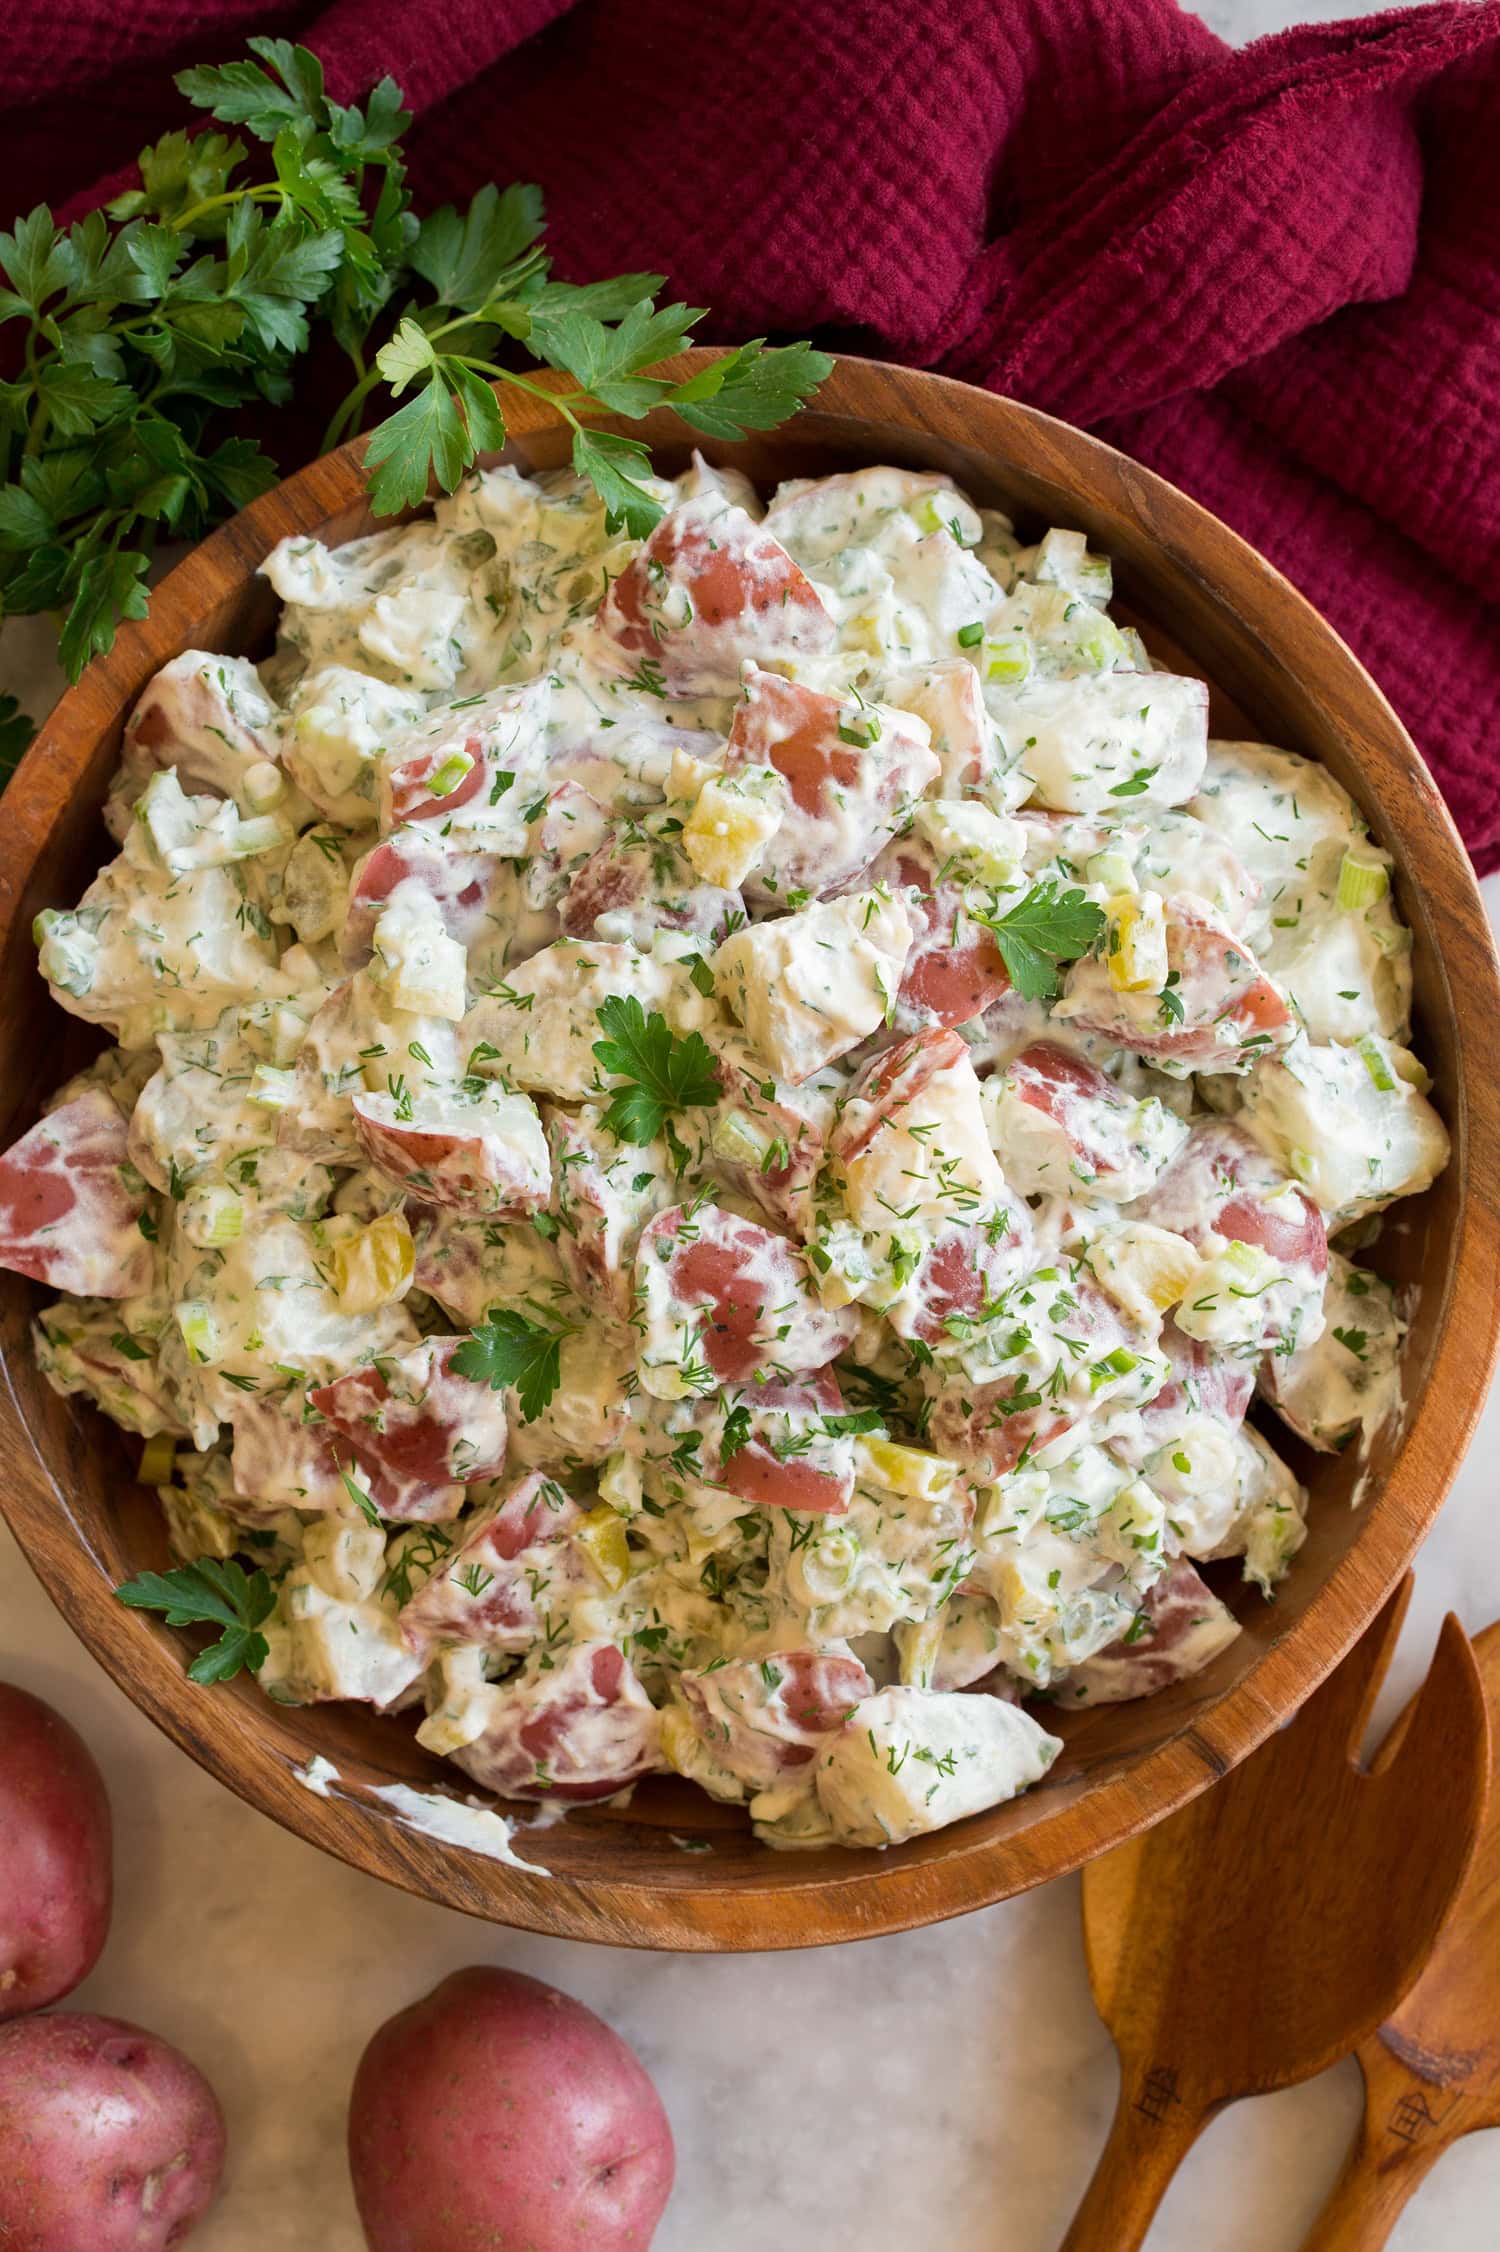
pixel 263 834
pixel 1377 1064
pixel 200 1332
pixel 1361 883
pixel 448 776
pixel 970 636
pixel 213 1215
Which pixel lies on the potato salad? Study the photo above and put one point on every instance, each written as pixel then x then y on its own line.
pixel 703 1142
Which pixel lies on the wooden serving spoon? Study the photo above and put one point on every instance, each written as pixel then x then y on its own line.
pixel 1432 2072
pixel 1259 1935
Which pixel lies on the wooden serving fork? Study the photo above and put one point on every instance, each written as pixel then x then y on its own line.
pixel 1266 1930
pixel 1432 2072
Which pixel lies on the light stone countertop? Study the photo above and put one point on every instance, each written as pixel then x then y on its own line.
pixel 947 2089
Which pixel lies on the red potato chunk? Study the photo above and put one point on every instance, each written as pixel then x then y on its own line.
pixel 710 588
pixel 465 887
pixel 110 2140
pixel 602 1196
pixel 205 715
pixel 643 884
pixel 733 1292
pixel 501 741
pixel 911 1138
pixel 1231 1013
pixel 1225 1184
pixel 586 1730
pixel 990 1428
pixel 569 828
pixel 69 1214
pixel 1181 1628
pixel 1059 1122
pixel 853 772
pixel 784 1145
pixel 761 1717
pixel 483 1153
pixel 965 1267
pixel 954 971
pixel 512 1563
pixel 417 1432
pixel 787 1458
pixel 55 1843
pixel 278 1461
pixel 1203 1381
pixel 948 696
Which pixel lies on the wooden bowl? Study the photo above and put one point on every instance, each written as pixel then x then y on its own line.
pixel 1208 604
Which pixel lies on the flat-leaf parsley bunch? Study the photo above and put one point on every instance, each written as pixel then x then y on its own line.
pixel 144 329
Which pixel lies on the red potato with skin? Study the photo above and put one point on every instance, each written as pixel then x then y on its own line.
pixel 497 2112
pixel 110 2140
pixel 709 588
pixel 954 971
pixel 852 774
pixel 68 1214
pixel 56 1873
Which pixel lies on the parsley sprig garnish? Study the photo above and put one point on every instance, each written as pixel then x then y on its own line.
pixel 1047 926
pixel 149 327
pixel 510 1349
pixel 665 1071
pixel 219 1593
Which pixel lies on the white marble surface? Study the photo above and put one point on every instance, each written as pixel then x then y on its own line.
pixel 949 2088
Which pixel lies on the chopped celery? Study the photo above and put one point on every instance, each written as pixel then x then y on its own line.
pixel 1361 883
pixel 200 1332
pixel 447 777
pixel 1377 1063
pixel 1007 657
pixel 212 1215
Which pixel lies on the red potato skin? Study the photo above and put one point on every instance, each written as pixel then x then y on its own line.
pixel 498 2115
pixel 56 1868
pixel 110 2141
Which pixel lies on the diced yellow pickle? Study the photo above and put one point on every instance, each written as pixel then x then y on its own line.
pixel 1145 1269
pixel 688 776
pixel 728 830
pixel 917 1649
pixel 375 1267
pixel 1137 956
pixel 158 1460
pixel 601 1536
pixel 681 1746
pixel 904 1470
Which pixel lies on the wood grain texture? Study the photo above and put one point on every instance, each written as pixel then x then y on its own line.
pixel 1206 603
pixel 1432 2072
pixel 1263 1931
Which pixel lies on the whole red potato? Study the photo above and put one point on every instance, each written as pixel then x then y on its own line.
pixel 110 2141
pixel 55 1872
pixel 501 2114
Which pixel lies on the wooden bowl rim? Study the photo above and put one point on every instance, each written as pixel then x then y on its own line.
pixel 877 1893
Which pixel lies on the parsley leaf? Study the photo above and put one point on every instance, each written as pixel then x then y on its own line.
pixel 220 1593
pixel 1048 926
pixel 509 1349
pixel 1353 1341
pixel 736 1435
pixel 145 329
pixel 666 1072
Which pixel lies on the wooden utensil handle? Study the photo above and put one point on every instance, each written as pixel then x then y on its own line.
pixel 1154 2129
pixel 1406 2127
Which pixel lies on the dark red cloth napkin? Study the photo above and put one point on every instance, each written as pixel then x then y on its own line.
pixel 1274 276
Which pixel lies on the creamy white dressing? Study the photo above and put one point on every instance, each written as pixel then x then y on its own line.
pixel 900 1346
